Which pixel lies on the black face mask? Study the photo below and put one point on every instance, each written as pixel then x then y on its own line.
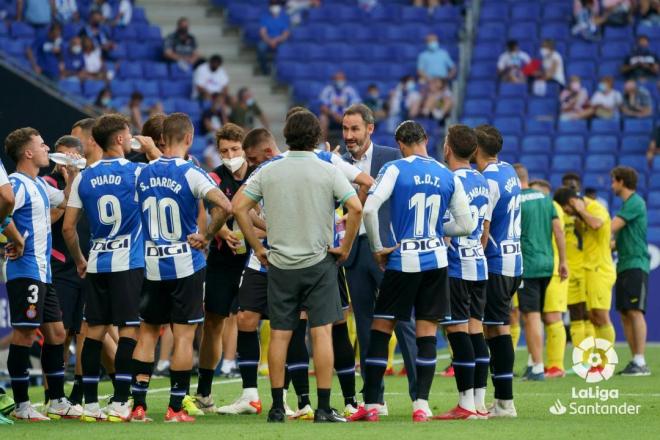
pixel 182 31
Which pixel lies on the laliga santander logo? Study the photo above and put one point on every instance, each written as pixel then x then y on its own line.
pixel 594 359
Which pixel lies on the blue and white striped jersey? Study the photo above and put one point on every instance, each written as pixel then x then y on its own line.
pixel 466 255
pixel 420 190
pixel 350 171
pixel 4 179
pixel 33 199
pixel 168 190
pixel 106 192
pixel 503 250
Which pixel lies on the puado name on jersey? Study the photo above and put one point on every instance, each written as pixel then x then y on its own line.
pixel 162 182
pixel 105 179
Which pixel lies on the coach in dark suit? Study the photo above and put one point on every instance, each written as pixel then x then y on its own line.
pixel 363 274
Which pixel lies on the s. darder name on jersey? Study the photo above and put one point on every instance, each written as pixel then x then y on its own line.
pixel 107 179
pixel 427 179
pixel 163 182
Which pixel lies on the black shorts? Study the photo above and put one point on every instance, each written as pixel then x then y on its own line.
pixel 632 290
pixel 468 300
pixel 178 301
pixel 221 289
pixel 343 288
pixel 32 303
pixel 531 294
pixel 499 291
pixel 426 292
pixel 114 298
pixel 253 292
pixel 71 293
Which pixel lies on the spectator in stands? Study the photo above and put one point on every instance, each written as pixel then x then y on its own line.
pixel 511 63
pixel 574 100
pixel 38 13
pixel 273 31
pixel 606 102
pixel 434 61
pixel 552 63
pixel 335 98
pixel 405 102
pixel 104 100
pixel 181 46
pixel 296 8
pixel 94 67
pixel 649 12
pixel 134 112
pixel 375 102
pixel 245 110
pixel 98 34
pixel 617 12
pixel 637 102
pixel 210 78
pixel 367 5
pixel 215 116
pixel 74 61
pixel 587 20
pixel 642 62
pixel 66 11
pixel 426 3
pixel 45 54
pixel 104 7
pixel 654 144
pixel 124 13
pixel 437 101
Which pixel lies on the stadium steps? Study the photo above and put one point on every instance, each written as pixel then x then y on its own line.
pixel 215 36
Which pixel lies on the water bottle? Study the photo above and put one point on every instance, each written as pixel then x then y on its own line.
pixel 135 144
pixel 242 248
pixel 63 159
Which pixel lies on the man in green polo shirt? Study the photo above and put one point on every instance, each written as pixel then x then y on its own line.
pixel 629 228
pixel 538 224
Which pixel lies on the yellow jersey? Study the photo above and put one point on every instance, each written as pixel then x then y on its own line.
pixel 555 251
pixel 574 244
pixel 597 250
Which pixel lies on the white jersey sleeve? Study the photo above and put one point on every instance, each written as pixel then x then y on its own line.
pixel 253 186
pixel 4 179
pixel 493 198
pixel 74 197
pixel 199 182
pixel 55 196
pixel 348 170
pixel 19 194
pixel 379 194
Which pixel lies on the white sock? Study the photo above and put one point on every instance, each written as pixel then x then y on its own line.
pixel 530 362
pixel 537 368
pixel 466 400
pixel 226 366
pixel 251 393
pixel 421 404
pixel 639 360
pixel 480 398
pixel 506 404
pixel 163 364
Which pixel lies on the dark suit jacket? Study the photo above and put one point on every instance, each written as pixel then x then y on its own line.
pixel 381 155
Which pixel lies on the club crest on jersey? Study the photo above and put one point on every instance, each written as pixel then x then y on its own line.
pixel 31 312
pixel 167 250
pixel 421 245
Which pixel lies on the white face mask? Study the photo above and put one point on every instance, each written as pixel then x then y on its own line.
pixel 545 52
pixel 275 9
pixel 234 164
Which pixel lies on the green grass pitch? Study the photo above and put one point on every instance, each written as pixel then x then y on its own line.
pixel 533 401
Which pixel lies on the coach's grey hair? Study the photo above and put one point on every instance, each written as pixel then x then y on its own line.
pixel 69 142
pixel 362 110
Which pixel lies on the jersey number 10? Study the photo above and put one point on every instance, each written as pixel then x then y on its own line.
pixel 164 218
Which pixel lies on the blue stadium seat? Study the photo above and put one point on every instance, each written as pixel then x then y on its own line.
pixel 535 162
pixel 635 161
pixel 600 181
pixel 653 234
pixel 600 162
pixel 122 33
pixel 555 180
pixel 536 144
pixel 510 107
pixel 610 126
pixel 492 31
pixel 174 89
pixel 583 69
pixel 510 143
pixel 526 11
pixel 139 15
pixel 178 73
pixel 654 217
pixel 70 86
pixel 483 70
pixel 508 125
pixel 70 30
pixel 653 199
pixel 474 121
pixel 481 89
pixel 614 50
pixel 413 14
pixel 577 127
pixel 609 68
pixel 513 90
pixel 21 29
pixel 495 11
pixel 508 157
pixel 634 144
pixel 583 51
pixel 486 51
pixel 557 11
pixel 138 51
pixel 569 144
pixel 535 126
pixel 155 70
pixel 149 88
pixel 153 33
pixel 446 13
pixel 603 144
pixel 526 30
pixel 618 33
pixel 652 32
pixel 544 107
pixel 634 125
pixel 92 87
pixel 130 70
pixel 121 88
pixel 555 31
pixel 656 163
pixel 478 107
pixel 567 163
